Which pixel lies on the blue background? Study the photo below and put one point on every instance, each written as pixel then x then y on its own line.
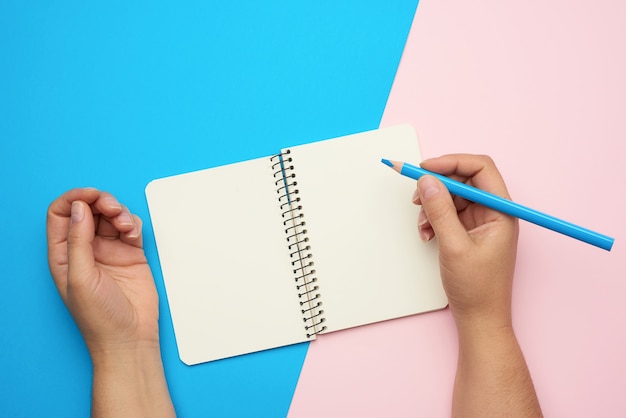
pixel 113 95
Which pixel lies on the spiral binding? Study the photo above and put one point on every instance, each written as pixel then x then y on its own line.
pixel 298 243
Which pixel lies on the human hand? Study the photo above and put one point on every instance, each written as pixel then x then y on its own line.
pixel 98 264
pixel 477 245
pixel 477 252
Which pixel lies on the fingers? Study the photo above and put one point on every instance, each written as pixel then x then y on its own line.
pixel 439 215
pixel 111 220
pixel 115 219
pixel 59 212
pixel 124 225
pixel 477 170
pixel 57 227
pixel 134 237
pixel 80 242
pixel 73 221
pixel 423 226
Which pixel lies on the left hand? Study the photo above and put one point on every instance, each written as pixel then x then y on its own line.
pixel 98 264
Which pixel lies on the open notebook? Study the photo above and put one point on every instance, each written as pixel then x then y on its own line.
pixel 276 250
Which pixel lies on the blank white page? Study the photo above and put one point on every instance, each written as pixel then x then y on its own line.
pixel 370 262
pixel 225 262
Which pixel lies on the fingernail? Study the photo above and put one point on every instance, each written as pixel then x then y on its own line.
pixel 77 212
pixel 416 197
pixel 421 219
pixel 134 233
pixel 426 234
pixel 124 219
pixel 112 202
pixel 428 186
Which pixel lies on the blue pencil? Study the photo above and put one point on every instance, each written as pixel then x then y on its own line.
pixel 506 206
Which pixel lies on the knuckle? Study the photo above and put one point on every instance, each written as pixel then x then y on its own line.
pixel 487 160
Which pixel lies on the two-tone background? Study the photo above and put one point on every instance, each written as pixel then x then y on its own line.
pixel 114 94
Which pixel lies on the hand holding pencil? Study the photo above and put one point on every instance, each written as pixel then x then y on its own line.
pixel 477 245
pixel 477 253
pixel 505 205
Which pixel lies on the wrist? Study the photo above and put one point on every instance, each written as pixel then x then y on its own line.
pixel 480 342
pixel 492 377
pixel 130 381
pixel 126 357
pixel 482 312
pixel 110 354
pixel 491 324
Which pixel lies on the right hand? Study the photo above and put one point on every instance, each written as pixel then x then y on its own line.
pixel 477 245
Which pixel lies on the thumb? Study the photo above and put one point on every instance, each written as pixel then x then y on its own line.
pixel 80 243
pixel 440 211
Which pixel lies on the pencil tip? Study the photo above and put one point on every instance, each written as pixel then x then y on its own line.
pixel 387 163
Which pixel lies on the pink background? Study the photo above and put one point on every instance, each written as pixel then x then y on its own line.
pixel 541 87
